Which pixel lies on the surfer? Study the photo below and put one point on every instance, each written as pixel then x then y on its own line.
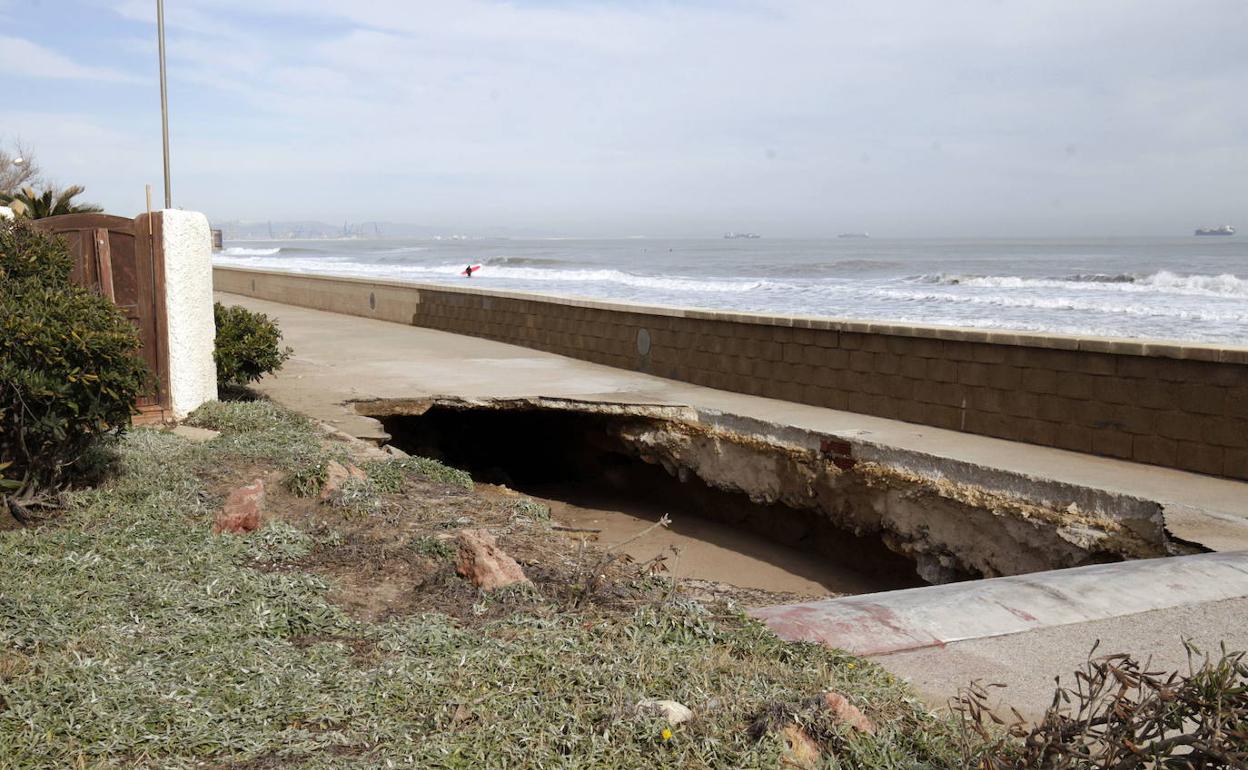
pixel 468 271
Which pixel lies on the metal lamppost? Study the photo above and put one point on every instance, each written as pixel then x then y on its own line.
pixel 164 98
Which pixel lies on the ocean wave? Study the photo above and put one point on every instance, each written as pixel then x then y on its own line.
pixel 683 284
pixel 833 268
pixel 1099 305
pixel 1101 278
pixel 1225 283
pixel 1160 282
pixel 532 261
pixel 402 250
pixel 239 251
pixel 662 282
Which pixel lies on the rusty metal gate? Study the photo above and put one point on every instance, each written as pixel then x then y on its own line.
pixel 123 260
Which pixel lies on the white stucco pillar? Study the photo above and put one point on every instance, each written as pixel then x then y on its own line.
pixel 188 296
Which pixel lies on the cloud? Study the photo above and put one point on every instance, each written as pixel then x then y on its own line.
pixel 22 58
pixel 800 116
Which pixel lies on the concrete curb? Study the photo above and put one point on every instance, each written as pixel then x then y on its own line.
pixel 933 616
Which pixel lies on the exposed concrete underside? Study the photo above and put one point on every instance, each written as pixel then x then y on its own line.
pixel 947 524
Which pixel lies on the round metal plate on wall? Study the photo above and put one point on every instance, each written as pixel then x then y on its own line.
pixel 643 342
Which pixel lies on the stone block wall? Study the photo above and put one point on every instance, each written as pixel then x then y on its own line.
pixel 1175 405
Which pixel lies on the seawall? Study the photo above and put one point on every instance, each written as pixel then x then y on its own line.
pixel 1170 404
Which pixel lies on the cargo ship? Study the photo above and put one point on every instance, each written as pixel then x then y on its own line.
pixel 748 236
pixel 1221 230
pixel 854 235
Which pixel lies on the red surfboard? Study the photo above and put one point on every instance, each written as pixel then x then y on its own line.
pixel 468 271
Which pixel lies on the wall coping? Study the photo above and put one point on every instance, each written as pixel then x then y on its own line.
pixel 1176 349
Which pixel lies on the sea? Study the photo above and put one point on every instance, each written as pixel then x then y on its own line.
pixel 1189 289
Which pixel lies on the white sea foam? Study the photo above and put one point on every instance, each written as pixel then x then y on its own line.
pixel 1202 284
pixel 1100 305
pixel 402 250
pixel 239 251
pixel 1162 281
pixel 534 274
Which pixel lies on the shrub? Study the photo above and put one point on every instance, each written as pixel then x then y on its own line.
pixel 1120 714
pixel 68 369
pixel 247 345
pixel 27 253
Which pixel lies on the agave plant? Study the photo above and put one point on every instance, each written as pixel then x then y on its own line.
pixel 49 203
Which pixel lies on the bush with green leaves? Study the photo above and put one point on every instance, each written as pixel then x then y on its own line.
pixel 248 346
pixel 69 369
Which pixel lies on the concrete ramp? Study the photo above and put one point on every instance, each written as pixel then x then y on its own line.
pixel 933 616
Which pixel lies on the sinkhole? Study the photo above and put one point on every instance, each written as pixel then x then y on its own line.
pixel 588 467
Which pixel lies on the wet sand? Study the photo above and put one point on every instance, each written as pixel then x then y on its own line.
pixel 708 550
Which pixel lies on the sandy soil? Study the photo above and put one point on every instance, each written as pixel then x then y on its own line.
pixel 707 550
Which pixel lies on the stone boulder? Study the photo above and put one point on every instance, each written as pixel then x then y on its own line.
pixel 673 711
pixel 243 510
pixel 484 563
pixel 800 750
pixel 847 713
pixel 336 474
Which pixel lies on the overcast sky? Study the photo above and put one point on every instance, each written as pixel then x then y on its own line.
pixel 789 117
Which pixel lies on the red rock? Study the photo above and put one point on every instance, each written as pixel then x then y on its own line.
pixel 484 563
pixel 243 510
pixel 336 474
pixel 801 751
pixel 847 713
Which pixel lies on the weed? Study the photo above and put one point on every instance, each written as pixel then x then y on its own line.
pixel 1119 715
pixel 434 548
pixel 308 479
pixel 531 509
pixel 389 475
pixel 248 417
pixel 357 497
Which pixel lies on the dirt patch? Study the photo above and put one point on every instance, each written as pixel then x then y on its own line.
pixel 399 560
pixel 364 652
pixel 276 761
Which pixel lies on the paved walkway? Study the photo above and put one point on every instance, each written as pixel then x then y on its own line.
pixel 341 358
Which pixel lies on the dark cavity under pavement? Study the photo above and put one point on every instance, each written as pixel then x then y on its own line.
pixel 591 480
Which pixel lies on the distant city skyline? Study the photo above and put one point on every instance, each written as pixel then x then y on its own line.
pixel 791 118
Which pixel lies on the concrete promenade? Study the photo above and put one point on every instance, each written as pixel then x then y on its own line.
pixel 339 359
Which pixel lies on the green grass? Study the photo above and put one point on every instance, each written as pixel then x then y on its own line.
pixel 433 547
pixel 131 636
pixel 388 475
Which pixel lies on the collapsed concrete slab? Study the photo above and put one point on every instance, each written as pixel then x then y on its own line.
pixel 951 519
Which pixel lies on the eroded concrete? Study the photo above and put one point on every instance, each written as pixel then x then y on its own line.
pixel 950 529
pixel 934 514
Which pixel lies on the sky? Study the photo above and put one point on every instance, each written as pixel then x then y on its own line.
pixel 792 118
